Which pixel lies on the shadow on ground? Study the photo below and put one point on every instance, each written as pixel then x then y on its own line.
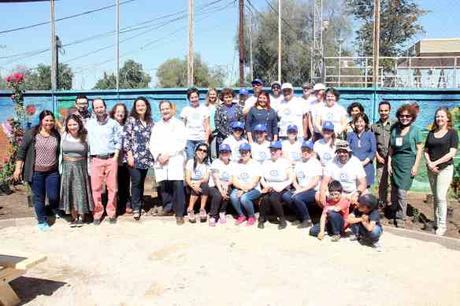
pixel 28 288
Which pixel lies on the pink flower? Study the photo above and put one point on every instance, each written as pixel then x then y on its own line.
pixel 31 109
pixel 16 77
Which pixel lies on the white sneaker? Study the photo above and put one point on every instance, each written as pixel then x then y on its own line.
pixel 440 231
pixel 377 246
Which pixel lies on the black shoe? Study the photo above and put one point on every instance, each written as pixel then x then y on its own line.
pixel 180 220
pixel 97 221
pixel 137 215
pixel 282 224
pixel 260 225
pixel 305 224
pixel 112 220
pixel 5 188
pixel 296 222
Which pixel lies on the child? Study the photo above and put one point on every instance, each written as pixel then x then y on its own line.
pixel 235 140
pixel 365 221
pixel 196 177
pixel 335 214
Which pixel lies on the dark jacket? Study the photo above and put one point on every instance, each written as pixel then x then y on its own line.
pixel 26 153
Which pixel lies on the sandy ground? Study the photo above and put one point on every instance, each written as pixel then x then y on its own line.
pixel 155 262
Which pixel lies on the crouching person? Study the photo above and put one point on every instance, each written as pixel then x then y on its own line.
pixel 365 221
pixel 335 214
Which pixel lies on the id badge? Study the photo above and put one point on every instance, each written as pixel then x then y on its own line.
pixel 399 141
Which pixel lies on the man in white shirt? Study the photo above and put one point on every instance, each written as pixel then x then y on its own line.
pixel 257 86
pixel 276 95
pixel 291 110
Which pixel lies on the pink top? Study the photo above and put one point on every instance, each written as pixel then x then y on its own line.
pixel 344 205
pixel 45 153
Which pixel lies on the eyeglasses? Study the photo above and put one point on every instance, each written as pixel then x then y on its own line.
pixel 405 116
pixel 202 150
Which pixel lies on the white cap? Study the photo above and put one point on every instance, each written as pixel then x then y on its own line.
pixel 319 86
pixel 287 86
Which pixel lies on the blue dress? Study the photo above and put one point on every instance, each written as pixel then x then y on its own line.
pixel 363 147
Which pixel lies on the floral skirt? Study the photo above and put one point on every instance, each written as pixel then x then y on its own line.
pixel 75 187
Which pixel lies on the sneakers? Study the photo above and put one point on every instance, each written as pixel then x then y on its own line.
pixel 282 224
pixel 295 222
pixel 113 220
pixel 180 220
pixel 261 225
pixel 440 231
pixel 222 218
pixel 353 237
pixel 97 221
pixel 191 216
pixel 76 223
pixel 137 215
pixel 335 238
pixel 377 246
pixel 44 227
pixel 240 220
pixel 251 221
pixel 203 215
pixel 212 222
pixel 304 224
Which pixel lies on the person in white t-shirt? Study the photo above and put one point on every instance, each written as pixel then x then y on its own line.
pixel 236 139
pixel 346 169
pixel 196 178
pixel 291 110
pixel 291 146
pixel 276 96
pixel 259 148
pixel 277 177
pixel 196 120
pixel 325 147
pixel 257 86
pixel 315 105
pixel 332 111
pixel 308 172
pixel 219 184
pixel 246 175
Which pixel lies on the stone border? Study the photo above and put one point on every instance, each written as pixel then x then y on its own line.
pixel 448 242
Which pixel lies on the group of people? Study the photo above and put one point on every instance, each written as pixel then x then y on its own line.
pixel 264 151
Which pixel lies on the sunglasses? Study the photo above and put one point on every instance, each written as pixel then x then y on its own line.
pixel 202 150
pixel 276 87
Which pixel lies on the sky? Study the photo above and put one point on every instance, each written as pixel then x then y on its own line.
pixel 156 31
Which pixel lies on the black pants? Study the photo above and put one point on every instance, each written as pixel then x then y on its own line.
pixel 204 190
pixel 123 188
pixel 173 192
pixel 271 200
pixel 137 187
pixel 218 204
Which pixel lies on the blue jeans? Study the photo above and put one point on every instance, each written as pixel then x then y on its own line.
pixel 301 202
pixel 334 224
pixel 45 184
pixel 190 147
pixel 245 201
pixel 360 231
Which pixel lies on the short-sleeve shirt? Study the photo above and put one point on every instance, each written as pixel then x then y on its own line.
pixel 336 114
pixel 275 173
pixel 324 151
pixel 374 215
pixel 347 174
pixel 260 152
pixel 234 146
pixel 344 204
pixel 438 147
pixel 222 171
pixel 195 117
pixel 199 172
pixel 245 173
pixel 291 112
pixel 305 171
pixel 292 151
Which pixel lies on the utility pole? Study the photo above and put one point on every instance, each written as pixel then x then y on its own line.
pixel 57 46
pixel 241 41
pixel 117 51
pixel 251 63
pixel 376 44
pixel 53 49
pixel 190 44
pixel 279 40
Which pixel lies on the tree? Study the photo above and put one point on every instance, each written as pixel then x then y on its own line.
pixel 297 38
pixel 131 76
pixel 399 23
pixel 40 77
pixel 173 73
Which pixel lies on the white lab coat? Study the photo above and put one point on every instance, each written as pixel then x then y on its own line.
pixel 168 137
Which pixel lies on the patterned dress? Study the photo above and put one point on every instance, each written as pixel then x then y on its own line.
pixel 136 138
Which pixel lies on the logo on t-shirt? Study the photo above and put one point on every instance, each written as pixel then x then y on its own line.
pixel 287 111
pixel 300 174
pixel 274 173
pixel 262 155
pixel 329 116
pixel 225 176
pixel 198 174
pixel 344 177
pixel 327 156
pixel 244 176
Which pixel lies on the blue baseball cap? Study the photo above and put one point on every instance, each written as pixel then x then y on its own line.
pixel 243 91
pixel 257 81
pixel 276 145
pixel 328 125
pixel 292 128
pixel 245 147
pixel 260 128
pixel 224 148
pixel 307 144
pixel 237 125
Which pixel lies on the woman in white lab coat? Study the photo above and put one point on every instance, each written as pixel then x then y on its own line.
pixel 167 145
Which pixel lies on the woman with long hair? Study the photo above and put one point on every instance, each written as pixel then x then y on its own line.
pixel 211 102
pixel 76 198
pixel 325 147
pixel 136 137
pixel 406 149
pixel 440 149
pixel 38 163
pixel 262 113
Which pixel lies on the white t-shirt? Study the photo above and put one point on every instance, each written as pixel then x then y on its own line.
pixel 274 100
pixel 199 172
pixel 195 117
pixel 291 112
pixel 347 174
pixel 291 151
pixel 306 171
pixel 222 171
pixel 315 106
pixel 336 114
pixel 260 152
pixel 276 173
pixel 235 146
pixel 324 151
pixel 245 173
pixel 250 102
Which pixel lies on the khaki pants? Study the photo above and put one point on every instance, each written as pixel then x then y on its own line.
pixel 440 183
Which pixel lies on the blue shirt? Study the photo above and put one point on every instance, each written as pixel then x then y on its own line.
pixel 103 137
pixel 265 117
pixel 363 147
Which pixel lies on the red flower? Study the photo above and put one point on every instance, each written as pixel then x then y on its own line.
pixel 16 77
pixel 31 109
